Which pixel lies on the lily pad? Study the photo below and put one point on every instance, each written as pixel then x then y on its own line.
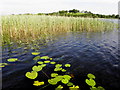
pixel 90 82
pixel 46 61
pixel 60 87
pixel 91 76
pixel 52 62
pixel 51 59
pixel 12 60
pixel 40 62
pixel 58 65
pixel 57 69
pixel 31 75
pixel 65 81
pixel 74 87
pixel 54 74
pixel 37 68
pixel 37 83
pixel 52 81
pixel 67 77
pixel 63 70
pixel 35 53
pixel 36 58
pixel 67 65
pixel 44 57
pixel 70 84
pixel 43 65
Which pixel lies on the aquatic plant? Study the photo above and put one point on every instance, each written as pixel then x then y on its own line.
pixel 3 64
pixel 18 28
pixel 92 82
pixel 12 59
pixel 35 53
pixel 31 75
pixel 55 77
pixel 37 83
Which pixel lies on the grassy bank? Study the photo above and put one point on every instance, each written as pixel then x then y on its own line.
pixel 29 27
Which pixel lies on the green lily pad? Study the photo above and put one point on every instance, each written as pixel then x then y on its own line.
pixel 52 62
pixel 2 65
pixel 91 76
pixel 67 77
pixel 43 65
pixel 67 65
pixel 65 81
pixel 54 74
pixel 35 53
pixel 12 60
pixel 40 62
pixel 58 65
pixel 31 75
pixel 100 88
pixel 52 81
pixel 37 68
pixel 63 70
pixel 70 84
pixel 46 61
pixel 36 58
pixel 60 87
pixel 90 82
pixel 57 69
pixel 44 57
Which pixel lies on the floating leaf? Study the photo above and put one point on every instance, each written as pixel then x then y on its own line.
pixel 74 87
pixel 59 87
pixel 63 70
pixel 44 57
pixel 2 65
pixel 65 81
pixel 58 78
pixel 37 83
pixel 37 68
pixel 54 74
pixel 52 62
pixel 35 53
pixel 40 62
pixel 51 59
pixel 58 65
pixel 36 58
pixel 100 88
pixel 70 84
pixel 67 77
pixel 67 65
pixel 12 60
pixel 91 76
pixel 90 82
pixel 43 65
pixel 52 81
pixel 46 61
pixel 57 69
pixel 31 75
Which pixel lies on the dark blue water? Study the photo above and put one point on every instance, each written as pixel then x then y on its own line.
pixel 93 52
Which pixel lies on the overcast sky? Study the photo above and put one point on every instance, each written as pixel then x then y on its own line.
pixel 46 6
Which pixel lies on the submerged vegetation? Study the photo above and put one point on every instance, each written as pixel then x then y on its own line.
pixel 26 28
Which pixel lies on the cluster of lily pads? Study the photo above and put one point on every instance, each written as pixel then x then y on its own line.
pixel 65 79
pixel 55 77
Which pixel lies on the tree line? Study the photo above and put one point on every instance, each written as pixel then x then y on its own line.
pixel 77 13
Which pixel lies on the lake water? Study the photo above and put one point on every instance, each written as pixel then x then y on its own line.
pixel 93 52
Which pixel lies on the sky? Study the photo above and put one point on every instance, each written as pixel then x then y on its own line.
pixel 46 6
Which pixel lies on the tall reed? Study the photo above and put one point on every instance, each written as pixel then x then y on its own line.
pixel 29 27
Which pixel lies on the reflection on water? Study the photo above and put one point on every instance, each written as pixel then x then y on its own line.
pixel 93 52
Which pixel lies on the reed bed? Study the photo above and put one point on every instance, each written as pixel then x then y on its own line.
pixel 30 27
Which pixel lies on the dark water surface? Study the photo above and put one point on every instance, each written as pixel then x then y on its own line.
pixel 94 52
